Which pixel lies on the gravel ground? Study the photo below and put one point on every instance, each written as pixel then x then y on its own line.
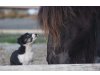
pixel 7 49
pixel 39 53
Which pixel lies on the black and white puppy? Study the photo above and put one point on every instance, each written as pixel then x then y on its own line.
pixel 24 55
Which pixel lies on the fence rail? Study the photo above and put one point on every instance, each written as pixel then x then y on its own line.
pixel 68 67
pixel 16 31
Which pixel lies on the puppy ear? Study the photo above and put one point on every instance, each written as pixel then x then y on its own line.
pixel 19 41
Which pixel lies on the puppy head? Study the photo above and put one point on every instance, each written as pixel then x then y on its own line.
pixel 26 38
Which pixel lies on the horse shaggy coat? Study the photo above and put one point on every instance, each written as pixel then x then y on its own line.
pixel 71 33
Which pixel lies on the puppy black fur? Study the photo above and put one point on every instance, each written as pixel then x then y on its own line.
pixel 19 56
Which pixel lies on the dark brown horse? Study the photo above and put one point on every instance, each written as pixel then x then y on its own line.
pixel 72 33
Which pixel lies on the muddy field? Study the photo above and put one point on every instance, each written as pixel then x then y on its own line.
pixel 7 49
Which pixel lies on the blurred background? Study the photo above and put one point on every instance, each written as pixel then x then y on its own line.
pixel 15 21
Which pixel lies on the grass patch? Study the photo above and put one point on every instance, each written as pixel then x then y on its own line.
pixel 12 38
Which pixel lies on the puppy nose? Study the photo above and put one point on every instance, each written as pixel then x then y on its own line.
pixel 36 35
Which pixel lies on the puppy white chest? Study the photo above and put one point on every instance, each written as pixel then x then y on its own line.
pixel 27 57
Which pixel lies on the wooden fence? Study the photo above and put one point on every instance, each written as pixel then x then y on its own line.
pixel 16 31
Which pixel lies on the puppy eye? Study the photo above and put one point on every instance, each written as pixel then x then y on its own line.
pixel 28 35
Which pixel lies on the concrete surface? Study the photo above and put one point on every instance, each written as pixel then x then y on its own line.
pixel 68 67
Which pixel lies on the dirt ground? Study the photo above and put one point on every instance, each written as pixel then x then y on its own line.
pixel 7 49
